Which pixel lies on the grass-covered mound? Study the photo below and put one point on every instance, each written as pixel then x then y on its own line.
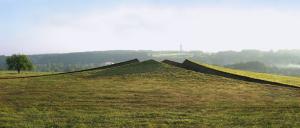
pixel 213 71
pixel 146 94
pixel 136 68
pixel 295 81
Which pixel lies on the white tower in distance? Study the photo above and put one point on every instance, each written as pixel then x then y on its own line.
pixel 181 48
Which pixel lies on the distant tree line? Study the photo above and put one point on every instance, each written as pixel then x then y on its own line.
pixel 83 60
pixel 256 66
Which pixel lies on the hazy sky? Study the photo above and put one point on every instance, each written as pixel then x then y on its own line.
pixel 50 26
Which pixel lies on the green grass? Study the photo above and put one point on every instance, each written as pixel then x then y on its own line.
pixel 5 74
pixel 137 68
pixel 264 76
pixel 147 94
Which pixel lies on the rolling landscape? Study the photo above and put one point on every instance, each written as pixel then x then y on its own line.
pixel 149 64
pixel 146 94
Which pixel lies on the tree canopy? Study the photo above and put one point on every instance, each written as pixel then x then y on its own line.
pixel 19 62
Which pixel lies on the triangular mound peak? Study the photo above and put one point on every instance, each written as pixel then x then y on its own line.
pixel 135 68
pixel 114 65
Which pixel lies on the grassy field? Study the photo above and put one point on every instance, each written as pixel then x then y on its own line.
pixel 147 94
pixel 9 74
pixel 264 76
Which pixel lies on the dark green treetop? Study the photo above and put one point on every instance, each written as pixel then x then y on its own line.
pixel 19 62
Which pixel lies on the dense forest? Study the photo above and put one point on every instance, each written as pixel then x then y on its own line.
pixel 278 62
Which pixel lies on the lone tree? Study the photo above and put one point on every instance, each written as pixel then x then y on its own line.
pixel 19 62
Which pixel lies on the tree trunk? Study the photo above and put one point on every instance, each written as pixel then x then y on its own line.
pixel 19 71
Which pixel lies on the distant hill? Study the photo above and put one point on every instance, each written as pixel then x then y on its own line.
pixel 83 60
pixel 2 62
pixel 255 66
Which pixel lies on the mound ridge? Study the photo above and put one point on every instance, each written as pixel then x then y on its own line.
pixel 187 64
pixel 134 68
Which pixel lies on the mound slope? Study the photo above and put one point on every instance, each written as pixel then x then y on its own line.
pixel 133 68
pixel 187 64
pixel 85 70
pixel 145 94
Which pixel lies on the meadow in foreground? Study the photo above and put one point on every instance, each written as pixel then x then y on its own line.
pixel 10 74
pixel 146 94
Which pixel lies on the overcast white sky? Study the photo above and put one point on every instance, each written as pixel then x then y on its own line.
pixel 33 27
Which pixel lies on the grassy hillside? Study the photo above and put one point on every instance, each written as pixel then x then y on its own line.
pixel 264 76
pixel 146 94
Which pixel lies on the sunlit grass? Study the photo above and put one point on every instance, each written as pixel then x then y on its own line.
pixel 150 95
pixel 5 74
pixel 264 76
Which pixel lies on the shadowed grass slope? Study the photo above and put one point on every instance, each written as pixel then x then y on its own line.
pixel 146 94
pixel 211 70
pixel 136 68
pixel 295 81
